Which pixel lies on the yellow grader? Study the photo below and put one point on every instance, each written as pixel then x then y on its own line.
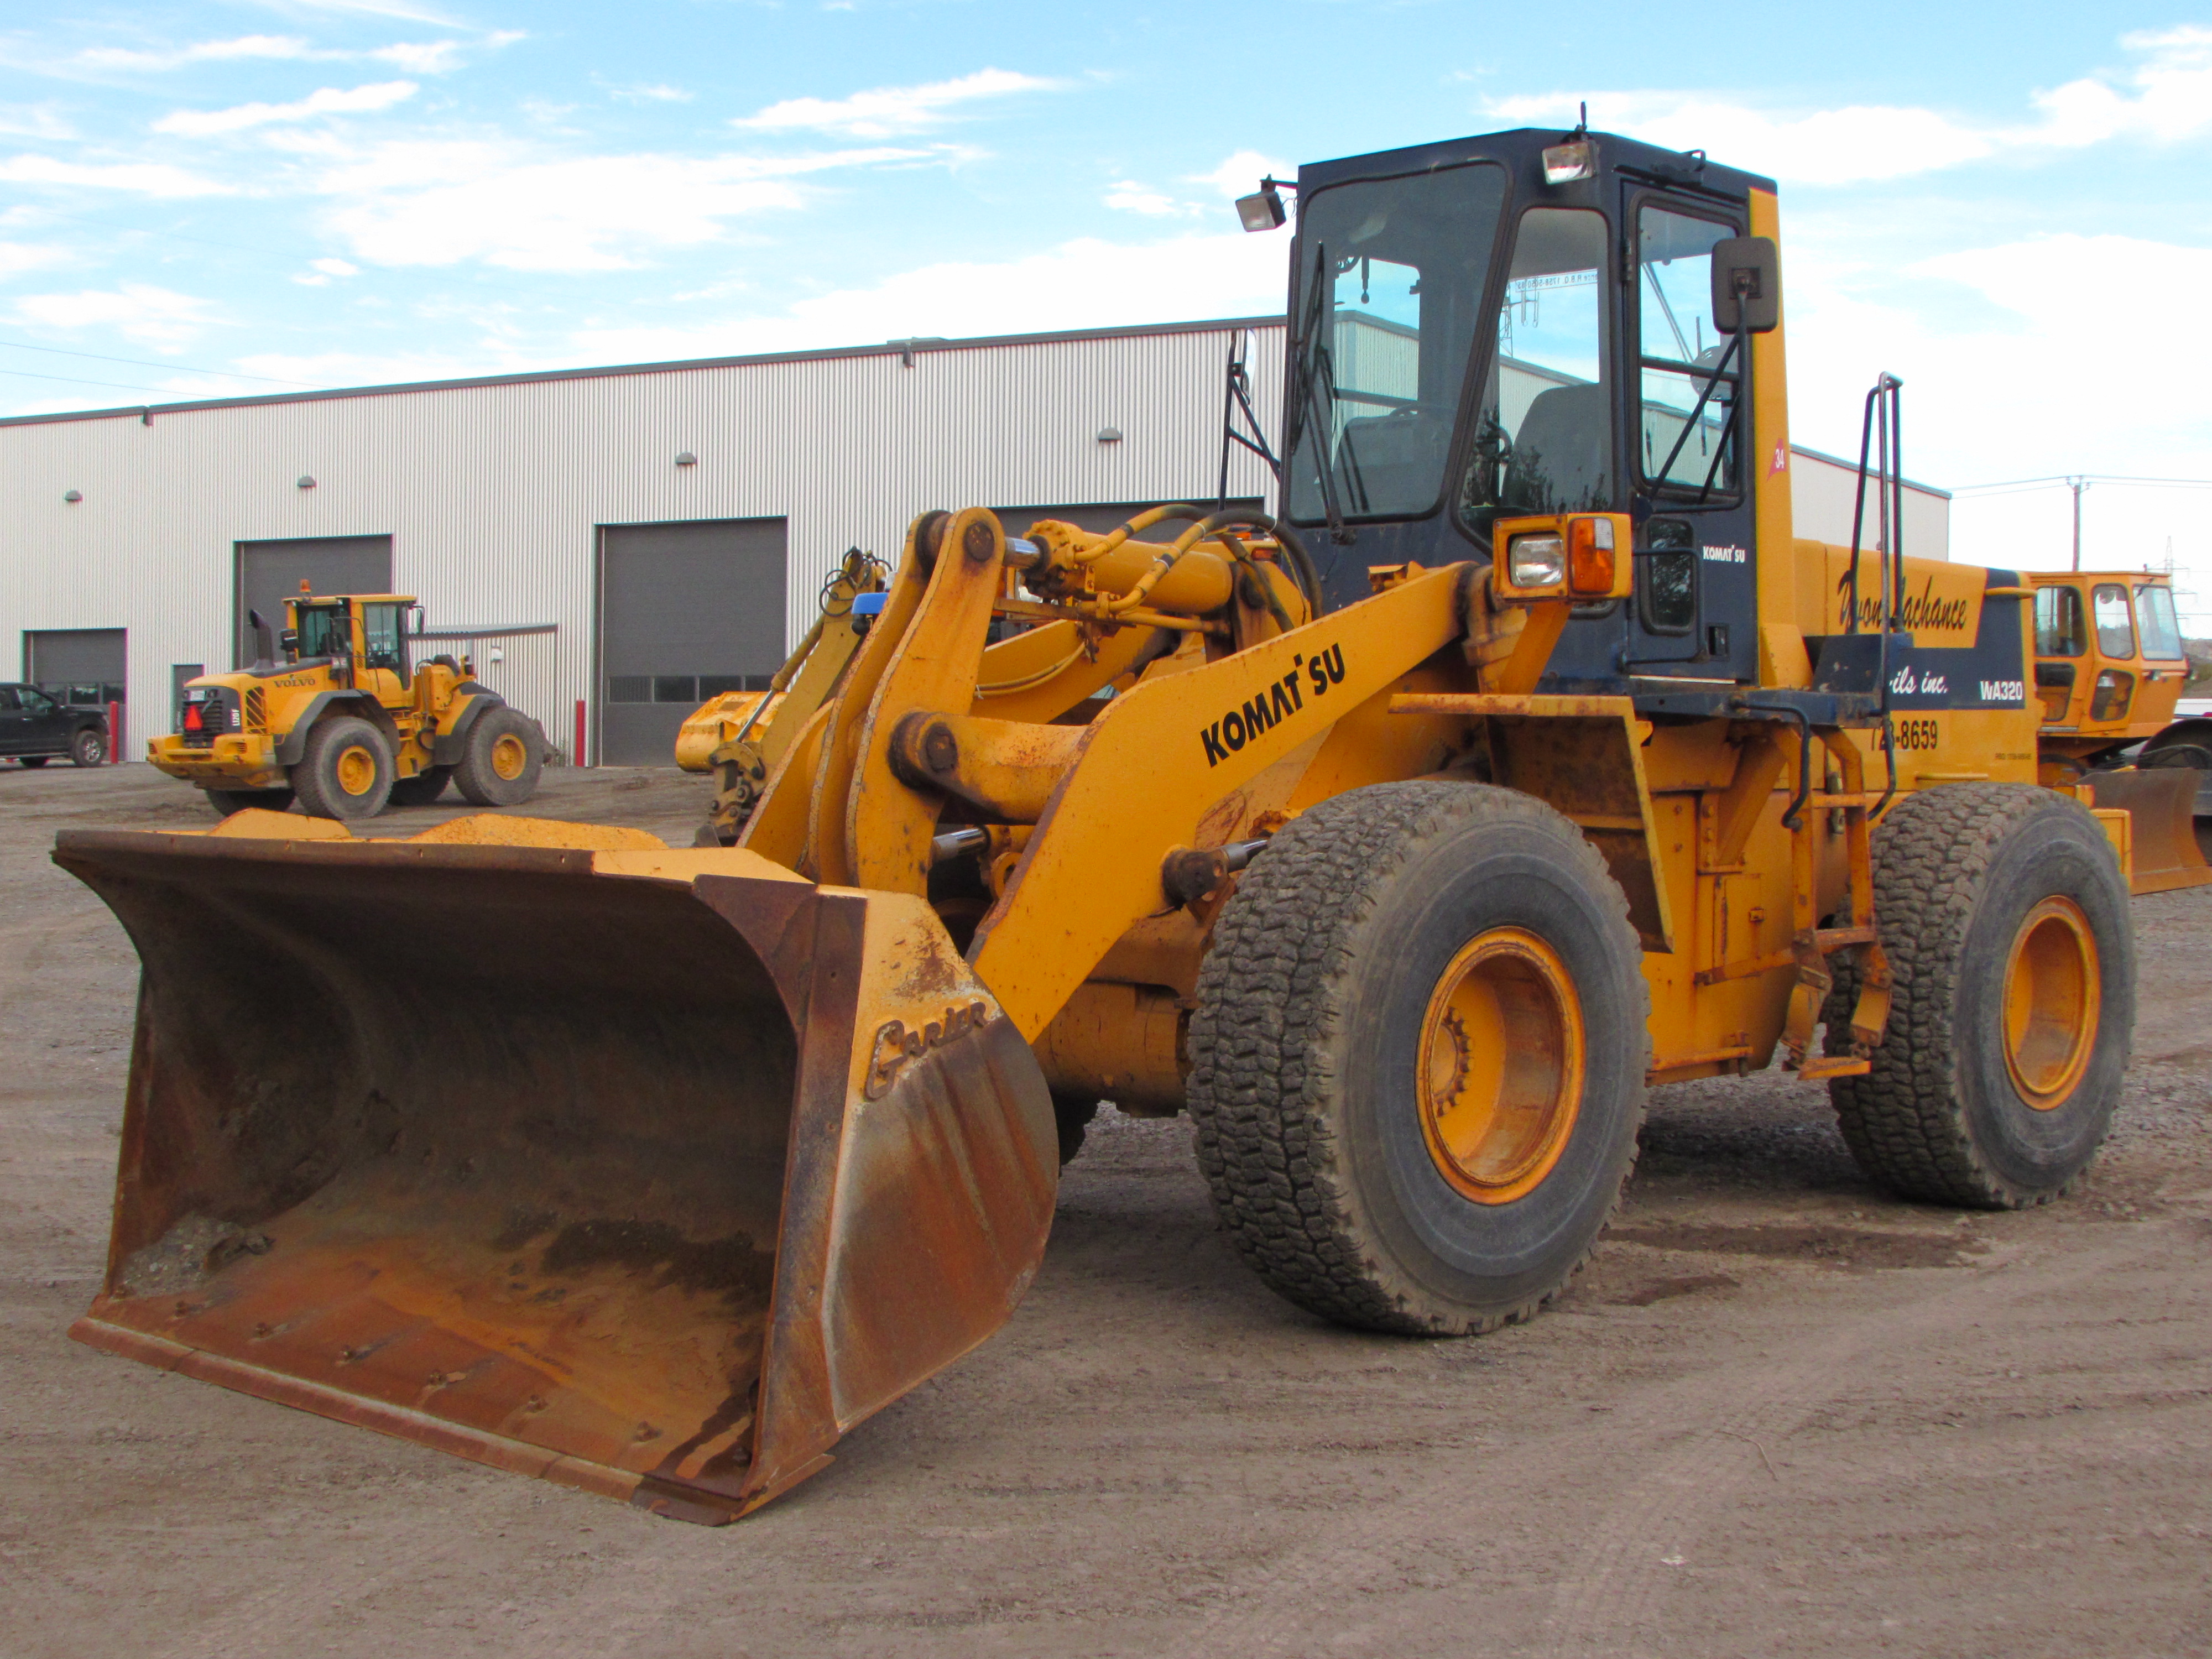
pixel 343 724
pixel 1525 763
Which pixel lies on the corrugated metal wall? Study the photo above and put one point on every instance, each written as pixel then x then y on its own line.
pixel 492 494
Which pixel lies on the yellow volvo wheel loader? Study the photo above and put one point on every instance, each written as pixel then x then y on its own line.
pixel 343 724
pixel 1526 761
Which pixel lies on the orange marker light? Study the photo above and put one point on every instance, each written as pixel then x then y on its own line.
pixel 1590 556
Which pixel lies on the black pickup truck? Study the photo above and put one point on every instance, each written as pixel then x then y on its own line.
pixel 34 728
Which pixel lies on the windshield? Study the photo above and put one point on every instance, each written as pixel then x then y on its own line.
pixel 2161 628
pixel 323 631
pixel 1387 295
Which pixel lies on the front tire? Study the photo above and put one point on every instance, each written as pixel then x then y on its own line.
pixel 227 801
pixel 88 748
pixel 345 772
pixel 2005 918
pixel 1418 1060
pixel 501 759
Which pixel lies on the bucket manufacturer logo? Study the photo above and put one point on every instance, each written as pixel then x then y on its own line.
pixel 896 1044
pixel 1277 701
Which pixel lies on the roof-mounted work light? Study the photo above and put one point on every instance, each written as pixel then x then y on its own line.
pixel 1263 210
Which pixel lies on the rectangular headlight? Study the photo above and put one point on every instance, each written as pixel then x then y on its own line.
pixel 1563 164
pixel 1535 560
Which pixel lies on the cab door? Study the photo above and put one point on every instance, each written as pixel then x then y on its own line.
pixel 383 653
pixel 1695 606
pixel 13 722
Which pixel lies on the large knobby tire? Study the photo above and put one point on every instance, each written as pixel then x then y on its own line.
pixel 227 801
pixel 88 748
pixel 345 771
pixel 501 758
pixel 423 789
pixel 1418 1060
pixel 2004 915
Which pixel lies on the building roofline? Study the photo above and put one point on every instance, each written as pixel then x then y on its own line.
pixel 1853 466
pixel 889 349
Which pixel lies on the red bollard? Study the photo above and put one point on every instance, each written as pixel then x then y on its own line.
pixel 576 755
pixel 115 734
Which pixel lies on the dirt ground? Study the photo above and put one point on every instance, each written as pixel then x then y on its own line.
pixel 1782 1412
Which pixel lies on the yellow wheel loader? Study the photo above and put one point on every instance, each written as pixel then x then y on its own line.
pixel 2109 670
pixel 343 725
pixel 1525 763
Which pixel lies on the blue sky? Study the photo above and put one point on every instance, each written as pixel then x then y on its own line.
pixel 2009 206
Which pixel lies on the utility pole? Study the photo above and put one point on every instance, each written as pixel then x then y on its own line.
pixel 2077 485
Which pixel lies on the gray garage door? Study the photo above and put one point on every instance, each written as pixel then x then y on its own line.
pixel 269 573
pixel 686 612
pixel 87 661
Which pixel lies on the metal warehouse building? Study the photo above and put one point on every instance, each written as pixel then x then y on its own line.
pixel 631 539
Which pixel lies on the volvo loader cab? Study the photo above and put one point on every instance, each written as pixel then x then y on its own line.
pixel 344 723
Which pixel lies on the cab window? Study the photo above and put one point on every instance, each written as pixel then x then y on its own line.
pixel 36 702
pixel 383 644
pixel 1543 438
pixel 2115 630
pixel 323 631
pixel 1685 434
pixel 2161 628
pixel 2058 626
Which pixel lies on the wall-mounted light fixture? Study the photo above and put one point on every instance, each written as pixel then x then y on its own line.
pixel 685 458
pixel 307 482
pixel 1110 434
pixel 72 496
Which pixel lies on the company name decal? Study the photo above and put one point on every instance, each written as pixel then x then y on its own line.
pixel 1278 701
pixel 1919 611
pixel 895 1044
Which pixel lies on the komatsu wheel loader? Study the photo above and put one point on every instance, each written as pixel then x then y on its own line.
pixel 1525 762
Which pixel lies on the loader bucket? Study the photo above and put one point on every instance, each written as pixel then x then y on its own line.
pixel 2161 802
pixel 650 1172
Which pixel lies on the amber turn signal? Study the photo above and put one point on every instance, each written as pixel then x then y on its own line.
pixel 1589 556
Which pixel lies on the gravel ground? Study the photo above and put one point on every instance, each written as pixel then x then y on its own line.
pixel 1781 1414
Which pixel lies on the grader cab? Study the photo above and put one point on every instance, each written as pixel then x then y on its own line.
pixel 1528 761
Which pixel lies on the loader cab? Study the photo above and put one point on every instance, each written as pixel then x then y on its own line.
pixel 2108 658
pixel 1477 333
pixel 363 637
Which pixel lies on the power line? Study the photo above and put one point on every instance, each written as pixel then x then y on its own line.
pixel 143 362
pixel 2069 479
pixel 72 379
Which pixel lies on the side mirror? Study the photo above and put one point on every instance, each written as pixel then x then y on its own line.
pixel 1747 285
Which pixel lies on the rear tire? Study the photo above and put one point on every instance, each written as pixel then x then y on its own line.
pixel 345 772
pixel 1418 1060
pixel 501 759
pixel 423 789
pixel 88 748
pixel 2005 918
pixel 227 801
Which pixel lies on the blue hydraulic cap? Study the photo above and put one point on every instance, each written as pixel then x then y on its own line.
pixel 869 604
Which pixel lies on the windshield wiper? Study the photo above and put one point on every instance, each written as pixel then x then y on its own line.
pixel 1315 369
pixel 1666 468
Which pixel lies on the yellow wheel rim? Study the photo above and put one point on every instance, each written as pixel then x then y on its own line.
pixel 356 771
pixel 2053 989
pixel 509 757
pixel 1501 1066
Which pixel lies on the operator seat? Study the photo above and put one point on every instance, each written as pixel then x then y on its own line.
pixel 1558 458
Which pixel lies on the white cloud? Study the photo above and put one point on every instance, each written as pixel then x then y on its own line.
pixel 17 257
pixel 144 177
pixel 34 121
pixel 329 101
pixel 200 51
pixel 2165 98
pixel 423 57
pixel 152 316
pixel 337 268
pixel 1239 174
pixel 652 94
pixel 435 204
pixel 887 111
pixel 1080 284
pixel 1126 197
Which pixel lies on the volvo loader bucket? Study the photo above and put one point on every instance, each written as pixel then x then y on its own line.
pixel 649 1171
pixel 2161 802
